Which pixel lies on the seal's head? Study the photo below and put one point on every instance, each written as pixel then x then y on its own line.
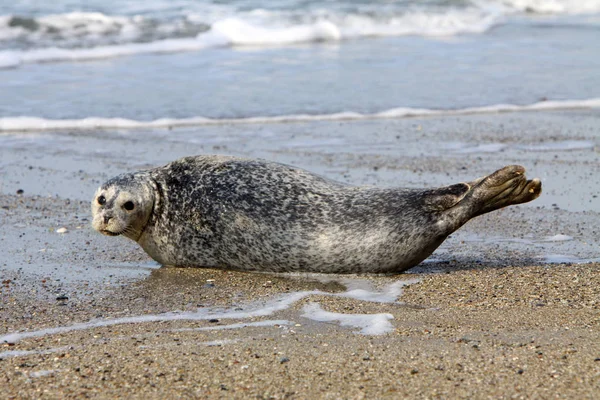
pixel 123 205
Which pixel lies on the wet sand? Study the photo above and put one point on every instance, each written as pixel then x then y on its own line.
pixel 508 307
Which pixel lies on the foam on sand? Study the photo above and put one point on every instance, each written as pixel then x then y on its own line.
pixel 558 238
pixel 566 259
pixel 265 323
pixel 253 310
pixel 362 290
pixel 369 324
pixel 26 123
pixel 563 145
pixel 22 353
pixel 559 146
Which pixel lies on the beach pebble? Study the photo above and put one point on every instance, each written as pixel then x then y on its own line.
pixel 61 230
pixel 62 297
pixel 283 360
pixel 209 283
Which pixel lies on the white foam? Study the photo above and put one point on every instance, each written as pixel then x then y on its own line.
pixel 81 36
pixel 557 238
pixel 554 6
pixel 236 31
pixel 21 353
pixel 92 35
pixel 210 343
pixel 566 145
pixel 559 146
pixel 15 57
pixel 17 353
pixel 265 323
pixel 253 310
pixel 92 29
pixel 482 148
pixel 423 23
pixel 9 60
pixel 566 259
pixel 369 324
pixel 26 123
pixel 389 294
pixel 42 373
pixel 222 342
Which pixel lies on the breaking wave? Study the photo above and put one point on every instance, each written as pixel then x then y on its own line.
pixel 76 36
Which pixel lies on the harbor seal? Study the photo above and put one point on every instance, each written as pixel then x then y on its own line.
pixel 235 213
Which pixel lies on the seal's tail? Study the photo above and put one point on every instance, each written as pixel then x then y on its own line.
pixel 505 187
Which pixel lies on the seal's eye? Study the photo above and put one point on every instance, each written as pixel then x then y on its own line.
pixel 101 200
pixel 128 205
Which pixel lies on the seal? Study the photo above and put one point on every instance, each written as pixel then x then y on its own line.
pixel 245 214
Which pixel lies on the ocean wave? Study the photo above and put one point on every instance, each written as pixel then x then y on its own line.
pixel 569 7
pixel 79 29
pixel 240 32
pixel 84 29
pixel 78 36
pixel 11 58
pixel 25 123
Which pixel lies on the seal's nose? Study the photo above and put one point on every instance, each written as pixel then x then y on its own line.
pixel 107 218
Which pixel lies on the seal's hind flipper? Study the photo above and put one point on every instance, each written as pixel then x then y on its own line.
pixel 446 197
pixel 505 187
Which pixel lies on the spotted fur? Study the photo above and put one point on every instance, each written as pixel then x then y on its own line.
pixel 226 212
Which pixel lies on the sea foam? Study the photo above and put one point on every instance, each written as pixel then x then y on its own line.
pixel 76 36
pixel 92 36
pixel 370 325
pixel 26 123
pixel 554 6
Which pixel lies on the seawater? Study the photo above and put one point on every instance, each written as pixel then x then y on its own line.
pixel 189 62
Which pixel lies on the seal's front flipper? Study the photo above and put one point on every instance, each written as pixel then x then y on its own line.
pixel 505 187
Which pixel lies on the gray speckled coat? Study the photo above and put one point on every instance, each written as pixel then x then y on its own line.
pixel 216 211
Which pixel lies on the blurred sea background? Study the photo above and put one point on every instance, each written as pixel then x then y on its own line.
pixel 128 62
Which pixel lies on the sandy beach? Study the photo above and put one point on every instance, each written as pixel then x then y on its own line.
pixel 508 307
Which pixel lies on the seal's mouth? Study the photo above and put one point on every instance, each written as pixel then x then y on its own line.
pixel 109 233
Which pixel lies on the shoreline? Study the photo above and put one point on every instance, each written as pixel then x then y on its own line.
pixel 488 317
pixel 24 124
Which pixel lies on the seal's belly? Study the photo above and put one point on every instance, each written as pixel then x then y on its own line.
pixel 236 240
pixel 334 249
